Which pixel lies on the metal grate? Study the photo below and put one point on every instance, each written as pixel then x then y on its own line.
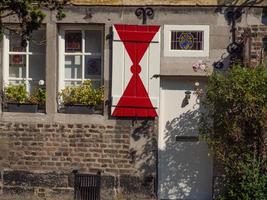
pixel 87 186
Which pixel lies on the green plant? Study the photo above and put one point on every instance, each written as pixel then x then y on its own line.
pixel 16 93
pixel 234 125
pixel 19 94
pixel 39 96
pixel 250 181
pixel 30 14
pixel 84 94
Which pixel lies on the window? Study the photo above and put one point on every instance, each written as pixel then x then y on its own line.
pixel 24 65
pixel 264 48
pixel 264 16
pixel 264 44
pixel 186 41
pixel 80 55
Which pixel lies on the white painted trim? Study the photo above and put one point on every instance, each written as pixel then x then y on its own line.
pixel 61 47
pixel 27 67
pixel 5 60
pixel 186 53
pixel 83 56
pixel 81 27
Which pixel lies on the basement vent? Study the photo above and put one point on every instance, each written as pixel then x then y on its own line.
pixel 87 186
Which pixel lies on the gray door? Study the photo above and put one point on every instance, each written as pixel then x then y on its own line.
pixel 185 165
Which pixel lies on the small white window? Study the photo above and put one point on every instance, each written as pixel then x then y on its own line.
pixel 24 65
pixel 80 55
pixel 186 40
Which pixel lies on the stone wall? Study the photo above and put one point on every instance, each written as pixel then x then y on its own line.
pixel 255 48
pixel 38 158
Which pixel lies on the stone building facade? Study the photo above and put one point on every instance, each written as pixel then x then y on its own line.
pixel 39 151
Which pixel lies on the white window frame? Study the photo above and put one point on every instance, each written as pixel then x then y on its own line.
pixel 168 52
pixel 7 53
pixel 62 53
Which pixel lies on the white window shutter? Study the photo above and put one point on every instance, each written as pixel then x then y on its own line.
pixel 135 60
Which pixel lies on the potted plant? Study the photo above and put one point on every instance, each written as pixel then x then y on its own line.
pixel 83 99
pixel 39 96
pixel 17 98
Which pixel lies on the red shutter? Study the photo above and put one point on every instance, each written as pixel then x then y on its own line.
pixel 135 60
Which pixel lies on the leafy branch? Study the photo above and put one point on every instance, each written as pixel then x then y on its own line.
pixel 29 14
pixel 234 126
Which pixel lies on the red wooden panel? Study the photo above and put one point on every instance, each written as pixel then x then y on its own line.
pixel 135 101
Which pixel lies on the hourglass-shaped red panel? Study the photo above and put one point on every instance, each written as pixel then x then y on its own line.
pixel 135 101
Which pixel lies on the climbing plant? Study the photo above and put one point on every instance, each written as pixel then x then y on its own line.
pixel 235 126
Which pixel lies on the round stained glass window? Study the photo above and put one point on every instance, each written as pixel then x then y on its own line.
pixel 186 40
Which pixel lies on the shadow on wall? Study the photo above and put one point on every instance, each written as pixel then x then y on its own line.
pixel 144 146
pixel 143 152
pixel 182 173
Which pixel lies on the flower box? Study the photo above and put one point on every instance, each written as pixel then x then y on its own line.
pixel 22 107
pixel 82 99
pixel 79 109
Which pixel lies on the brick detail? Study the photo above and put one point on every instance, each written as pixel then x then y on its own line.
pixel 57 147
pixel 38 158
pixel 258 32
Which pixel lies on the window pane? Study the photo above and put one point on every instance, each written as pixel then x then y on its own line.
pixel 73 67
pixel 38 42
pixel 187 40
pixel 73 41
pixel 72 83
pixel 37 67
pixel 93 41
pixel 92 67
pixel 33 85
pixel 17 66
pixel 15 43
pixel 96 83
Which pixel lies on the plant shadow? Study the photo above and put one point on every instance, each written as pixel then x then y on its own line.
pixel 185 167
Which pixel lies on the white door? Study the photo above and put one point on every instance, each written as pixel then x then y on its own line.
pixel 185 165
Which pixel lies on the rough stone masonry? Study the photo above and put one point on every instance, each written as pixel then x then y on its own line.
pixel 38 158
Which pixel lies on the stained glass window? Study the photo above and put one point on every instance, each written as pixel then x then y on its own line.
pixel 187 40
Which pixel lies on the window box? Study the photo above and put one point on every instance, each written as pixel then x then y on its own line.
pixel 80 109
pixel 22 107
pixel 83 99
pixel 17 99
